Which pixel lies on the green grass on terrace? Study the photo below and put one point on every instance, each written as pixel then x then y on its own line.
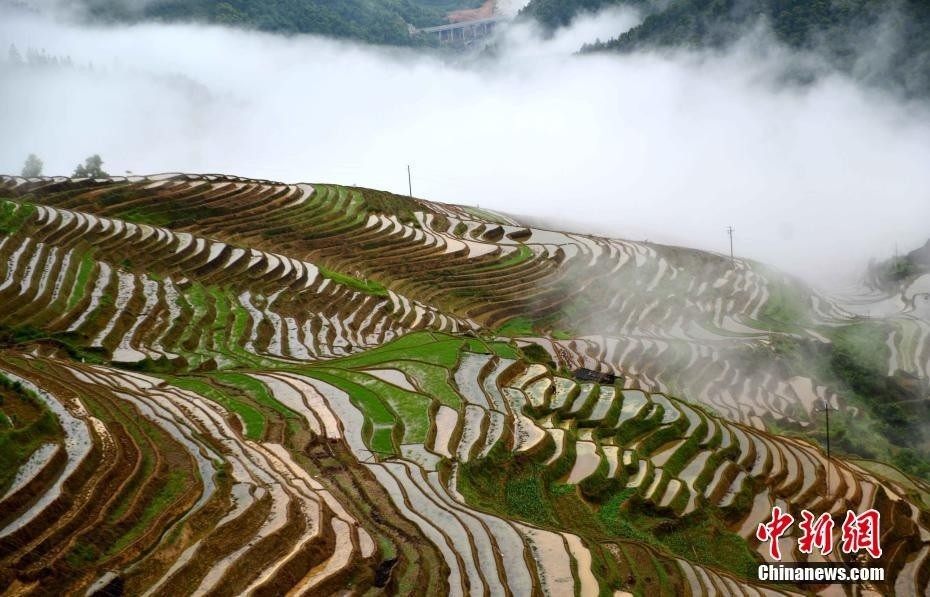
pixel 433 380
pixel 389 203
pixel 142 431
pixel 366 401
pixel 427 347
pixel 889 471
pixel 786 308
pixel 410 407
pixel 518 326
pixel 253 419
pixel 428 358
pixel 523 253
pixel 366 286
pixel 87 265
pixel 195 296
pixel 14 215
pixel 153 216
pixel 19 441
pixel 524 326
pixel 240 318
pixel 533 492
pixel 864 342
pixel 256 390
pixel 425 356
pixel 483 214
pixel 176 483
pixel 504 350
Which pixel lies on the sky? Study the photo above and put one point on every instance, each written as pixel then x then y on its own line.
pixel 670 147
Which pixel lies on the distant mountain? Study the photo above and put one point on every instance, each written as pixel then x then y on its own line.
pixel 553 14
pixel 885 42
pixel 374 21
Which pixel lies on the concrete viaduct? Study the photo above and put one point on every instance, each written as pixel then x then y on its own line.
pixel 465 31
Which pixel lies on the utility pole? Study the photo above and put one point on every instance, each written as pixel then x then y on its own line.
pixel 409 182
pixel 826 411
pixel 730 232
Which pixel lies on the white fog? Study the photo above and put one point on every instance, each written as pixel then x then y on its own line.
pixel 674 148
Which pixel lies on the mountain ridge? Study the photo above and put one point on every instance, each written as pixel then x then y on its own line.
pixel 881 42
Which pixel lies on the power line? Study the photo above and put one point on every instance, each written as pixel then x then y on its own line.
pixel 826 411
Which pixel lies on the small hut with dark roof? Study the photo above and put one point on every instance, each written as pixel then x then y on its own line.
pixel 582 374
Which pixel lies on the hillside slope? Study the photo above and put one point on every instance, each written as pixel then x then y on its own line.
pixel 884 42
pixel 209 381
pixel 380 22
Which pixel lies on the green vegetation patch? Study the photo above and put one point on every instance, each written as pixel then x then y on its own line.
pixel 411 408
pixel 787 308
pixel 523 488
pixel 29 424
pixel 523 253
pixel 518 326
pixel 166 211
pixel 892 426
pixel 377 416
pixel 256 390
pixel 526 326
pixel 525 498
pixel 433 380
pixel 504 350
pixel 14 215
pixel 484 214
pixel 80 284
pixel 704 540
pixel 175 484
pixel 863 342
pixel 437 349
pixel 535 353
pixel 366 286
pixel 252 417
pixel 389 203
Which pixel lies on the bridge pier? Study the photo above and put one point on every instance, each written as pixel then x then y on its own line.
pixel 464 32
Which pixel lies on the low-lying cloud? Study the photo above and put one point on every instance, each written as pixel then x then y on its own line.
pixel 670 147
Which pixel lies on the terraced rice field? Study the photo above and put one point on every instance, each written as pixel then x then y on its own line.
pixel 216 385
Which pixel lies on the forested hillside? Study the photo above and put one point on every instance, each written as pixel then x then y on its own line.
pixel 880 41
pixel 558 13
pixel 375 21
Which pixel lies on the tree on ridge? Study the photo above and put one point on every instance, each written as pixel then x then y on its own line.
pixel 91 168
pixel 33 166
